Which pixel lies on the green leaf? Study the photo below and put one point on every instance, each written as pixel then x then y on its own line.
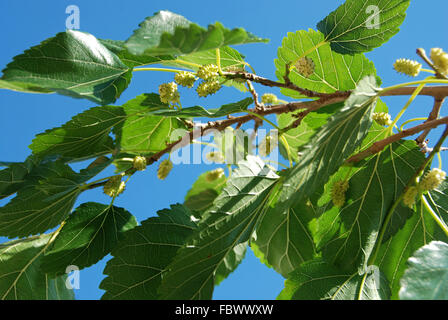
pixel 230 59
pixel 140 260
pixel 88 235
pixel 14 177
pixel 129 59
pixel 20 274
pixel 203 192
pixel 143 132
pixel 419 230
pixel 230 222
pixel 285 239
pixel 427 275
pixel 45 200
pixel 333 71
pixel 22 87
pixel 72 63
pixel 167 33
pixel 300 136
pixel 438 201
pixel 360 26
pixel 318 279
pixel 373 189
pixel 87 135
pixel 230 262
pixel 198 111
pixel 329 148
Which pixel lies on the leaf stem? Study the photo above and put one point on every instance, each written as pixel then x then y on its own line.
pixel 264 119
pixel 406 106
pixel 218 61
pixel 411 120
pixel 288 151
pixel 436 218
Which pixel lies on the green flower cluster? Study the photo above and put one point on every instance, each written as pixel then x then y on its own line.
pixel 338 192
pixel 214 174
pixel 114 186
pixel 440 60
pixel 430 181
pixel 164 169
pixel 269 98
pixel 382 118
pixel 168 93
pixel 139 163
pixel 409 67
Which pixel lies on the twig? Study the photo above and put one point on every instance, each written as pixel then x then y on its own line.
pixel 288 85
pixel 432 116
pixel 380 145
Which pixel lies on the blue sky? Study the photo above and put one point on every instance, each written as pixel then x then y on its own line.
pixel 27 22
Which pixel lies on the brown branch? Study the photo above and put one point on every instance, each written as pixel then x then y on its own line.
pixel 432 116
pixel 288 85
pixel 438 92
pixel 380 145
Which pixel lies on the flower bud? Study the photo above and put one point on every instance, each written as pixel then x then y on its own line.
pixel 409 197
pixel 164 169
pixel 382 118
pixel 338 192
pixel 214 174
pixel 185 79
pixel 139 163
pixel 114 186
pixel 168 93
pixel 440 60
pixel 215 156
pixel 208 72
pixel 409 67
pixel 208 87
pixel 305 66
pixel 269 98
pixel 432 179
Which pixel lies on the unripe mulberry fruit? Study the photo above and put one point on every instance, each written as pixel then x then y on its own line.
pixel 208 72
pixel 409 67
pixel 208 87
pixel 139 163
pixel 214 174
pixel 185 79
pixel 440 59
pixel 164 169
pixel 168 93
pixel 305 66
pixel 382 118
pixel 114 186
pixel 215 156
pixel 266 146
pixel 409 197
pixel 338 192
pixel 432 179
pixel 269 98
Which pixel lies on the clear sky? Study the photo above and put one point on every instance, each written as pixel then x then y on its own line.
pixel 25 23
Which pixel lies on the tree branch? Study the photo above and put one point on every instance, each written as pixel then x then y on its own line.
pixel 380 145
pixel 432 116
